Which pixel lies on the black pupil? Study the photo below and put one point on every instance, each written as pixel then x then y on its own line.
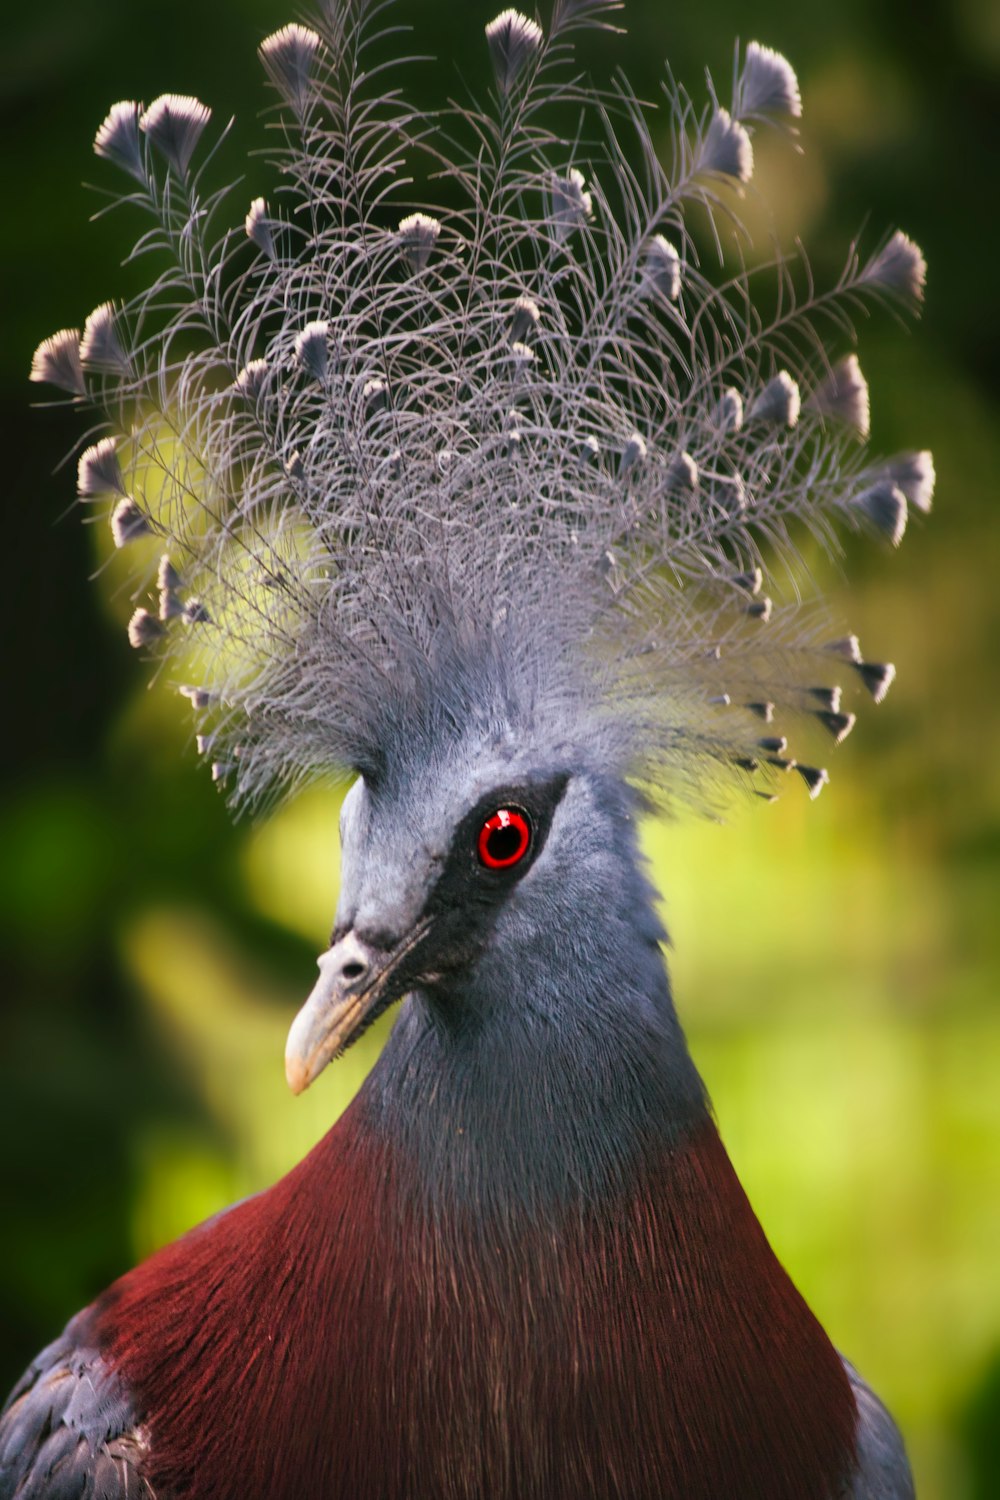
pixel 503 843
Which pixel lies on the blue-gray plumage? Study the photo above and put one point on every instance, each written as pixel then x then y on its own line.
pixel 68 1430
pixel 494 504
pixel 883 1468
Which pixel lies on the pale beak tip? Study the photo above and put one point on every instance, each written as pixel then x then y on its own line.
pixel 296 1074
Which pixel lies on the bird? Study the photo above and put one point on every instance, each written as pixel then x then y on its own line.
pixel 484 465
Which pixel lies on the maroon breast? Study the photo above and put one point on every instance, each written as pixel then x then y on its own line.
pixel 329 1339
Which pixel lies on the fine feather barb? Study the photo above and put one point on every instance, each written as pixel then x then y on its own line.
pixel 456 426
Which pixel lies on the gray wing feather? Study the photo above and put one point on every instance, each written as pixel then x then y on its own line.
pixel 883 1471
pixel 68 1430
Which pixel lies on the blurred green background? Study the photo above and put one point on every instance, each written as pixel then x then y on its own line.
pixel 835 963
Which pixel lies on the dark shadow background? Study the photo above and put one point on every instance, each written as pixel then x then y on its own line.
pixel 125 1116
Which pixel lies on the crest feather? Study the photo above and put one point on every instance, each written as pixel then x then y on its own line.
pixel 470 435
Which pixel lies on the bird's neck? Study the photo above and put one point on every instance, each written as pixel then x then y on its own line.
pixel 549 1074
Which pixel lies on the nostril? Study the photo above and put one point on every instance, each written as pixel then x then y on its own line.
pixel 350 972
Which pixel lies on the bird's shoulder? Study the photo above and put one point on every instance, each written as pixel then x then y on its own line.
pixel 883 1469
pixel 68 1430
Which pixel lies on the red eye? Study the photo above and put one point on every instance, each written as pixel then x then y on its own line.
pixel 504 838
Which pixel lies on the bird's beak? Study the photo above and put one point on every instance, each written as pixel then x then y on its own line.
pixel 356 982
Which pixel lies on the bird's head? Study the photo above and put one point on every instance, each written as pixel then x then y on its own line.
pixel 473 877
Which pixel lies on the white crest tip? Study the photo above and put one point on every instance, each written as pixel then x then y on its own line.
pixel 913 473
pixel 128 522
pixel 145 629
pixel 288 55
pixel 760 609
pixel 632 454
pixel 568 204
pixel 763 711
pixel 779 401
pixel 682 472
pixel 98 471
pixel 726 150
pixel 259 227
pixel 899 267
pixel 252 378
pixel 525 318
pixel 843 395
pixel 814 777
pixel 750 582
pixel 729 412
pixel 877 676
pixel 847 646
pixel 374 395
pixel 662 269
pixel 168 582
pixel 100 346
pixel 418 234
pixel 884 505
pixel 312 348
pixel 174 123
pixel 827 697
pixel 118 140
pixel 513 41
pixel 838 724
pixel 768 85
pixel 56 362
pixel 198 697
